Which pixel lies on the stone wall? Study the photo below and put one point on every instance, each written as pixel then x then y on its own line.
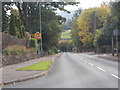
pixel 14 59
pixel 7 40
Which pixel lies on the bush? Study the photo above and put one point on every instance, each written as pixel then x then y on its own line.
pixel 31 50
pixel 51 52
pixel 33 43
pixel 17 50
pixel 27 36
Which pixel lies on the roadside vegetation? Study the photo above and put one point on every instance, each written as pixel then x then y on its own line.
pixel 92 28
pixel 66 34
pixel 17 50
pixel 24 21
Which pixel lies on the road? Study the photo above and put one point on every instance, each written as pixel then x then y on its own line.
pixel 72 70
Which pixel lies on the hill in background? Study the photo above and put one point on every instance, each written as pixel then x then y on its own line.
pixel 66 34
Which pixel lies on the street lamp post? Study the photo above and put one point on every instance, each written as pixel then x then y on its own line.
pixel 94 27
pixel 40 43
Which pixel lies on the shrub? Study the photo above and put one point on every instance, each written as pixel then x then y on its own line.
pixel 14 50
pixel 27 36
pixel 33 43
pixel 31 50
pixel 17 50
pixel 51 52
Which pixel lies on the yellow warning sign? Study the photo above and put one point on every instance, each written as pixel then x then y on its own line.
pixel 37 35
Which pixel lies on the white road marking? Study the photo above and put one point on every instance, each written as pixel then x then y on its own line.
pixel 91 64
pixel 81 59
pixel 115 76
pixel 85 61
pixel 101 69
pixel 75 54
pixel 99 59
pixel 89 56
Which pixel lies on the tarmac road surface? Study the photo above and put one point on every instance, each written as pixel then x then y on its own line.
pixel 76 70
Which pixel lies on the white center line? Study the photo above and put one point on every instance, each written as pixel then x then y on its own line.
pixel 85 61
pixel 81 59
pixel 115 76
pixel 89 56
pixel 91 64
pixel 101 69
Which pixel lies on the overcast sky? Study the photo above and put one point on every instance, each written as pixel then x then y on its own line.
pixel 84 4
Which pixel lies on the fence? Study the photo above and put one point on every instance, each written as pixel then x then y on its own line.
pixel 7 40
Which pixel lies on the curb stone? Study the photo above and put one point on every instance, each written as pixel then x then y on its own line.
pixel 55 58
pixel 51 66
pixel 30 77
pixel 23 79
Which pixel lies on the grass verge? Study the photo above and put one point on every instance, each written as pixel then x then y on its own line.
pixel 41 66
pixel 66 34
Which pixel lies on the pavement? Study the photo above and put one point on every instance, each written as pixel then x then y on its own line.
pixel 11 76
pixel 76 70
pixel 109 56
pixel 105 56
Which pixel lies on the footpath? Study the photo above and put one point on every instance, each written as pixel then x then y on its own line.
pixel 109 56
pixel 11 76
pixel 105 56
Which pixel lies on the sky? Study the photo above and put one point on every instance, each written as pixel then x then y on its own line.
pixel 84 4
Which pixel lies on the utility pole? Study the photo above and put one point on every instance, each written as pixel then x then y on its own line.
pixel 94 28
pixel 40 43
pixel 116 33
pixel 94 22
pixel 117 41
pixel 0 16
pixel 112 45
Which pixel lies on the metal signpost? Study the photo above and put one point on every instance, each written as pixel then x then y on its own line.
pixel 38 35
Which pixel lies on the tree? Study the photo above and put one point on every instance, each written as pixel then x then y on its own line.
pixel 51 23
pixel 103 37
pixel 12 29
pixel 29 12
pixel 51 29
pixel 89 21
pixel 29 21
pixel 5 17
pixel 75 32
pixel 11 20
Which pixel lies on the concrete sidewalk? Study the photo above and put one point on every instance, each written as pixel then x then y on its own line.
pixel 106 56
pixel 11 76
pixel 109 56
